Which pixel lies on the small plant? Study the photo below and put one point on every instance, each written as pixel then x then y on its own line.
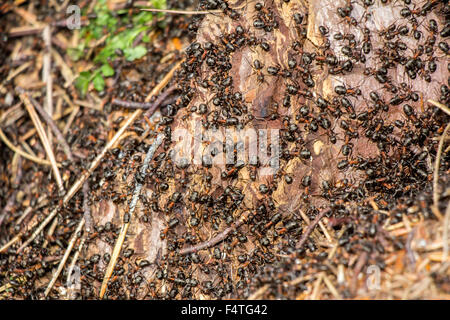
pixel 118 42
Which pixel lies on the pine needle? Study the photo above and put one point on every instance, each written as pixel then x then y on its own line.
pixel 43 136
pixel 440 106
pixel 28 156
pixel 437 164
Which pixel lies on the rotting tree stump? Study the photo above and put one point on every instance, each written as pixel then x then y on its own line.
pixel 346 88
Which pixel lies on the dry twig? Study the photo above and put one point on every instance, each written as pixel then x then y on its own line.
pixel 131 104
pixel 218 238
pixel 123 232
pixel 310 228
pixel 188 12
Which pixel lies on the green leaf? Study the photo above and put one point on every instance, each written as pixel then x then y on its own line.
pixel 99 83
pixel 97 32
pixel 75 53
pixel 102 18
pixel 135 53
pixel 104 54
pixel 146 38
pixel 107 70
pixel 130 35
pixel 112 23
pixel 82 82
pixel 142 17
pixel 85 74
pixel 159 4
pixel 106 23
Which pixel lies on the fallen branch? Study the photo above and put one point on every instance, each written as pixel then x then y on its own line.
pixel 46 71
pixel 150 106
pixel 35 29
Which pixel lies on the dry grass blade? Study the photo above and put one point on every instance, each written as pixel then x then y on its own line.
pixel 123 231
pixel 40 129
pixel 64 259
pixel 437 164
pixel 23 153
pixel 71 118
pixel 88 228
pixel 14 73
pixel 66 72
pixel 331 287
pixel 316 289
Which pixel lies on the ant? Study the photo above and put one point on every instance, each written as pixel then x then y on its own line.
pixel 257 67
